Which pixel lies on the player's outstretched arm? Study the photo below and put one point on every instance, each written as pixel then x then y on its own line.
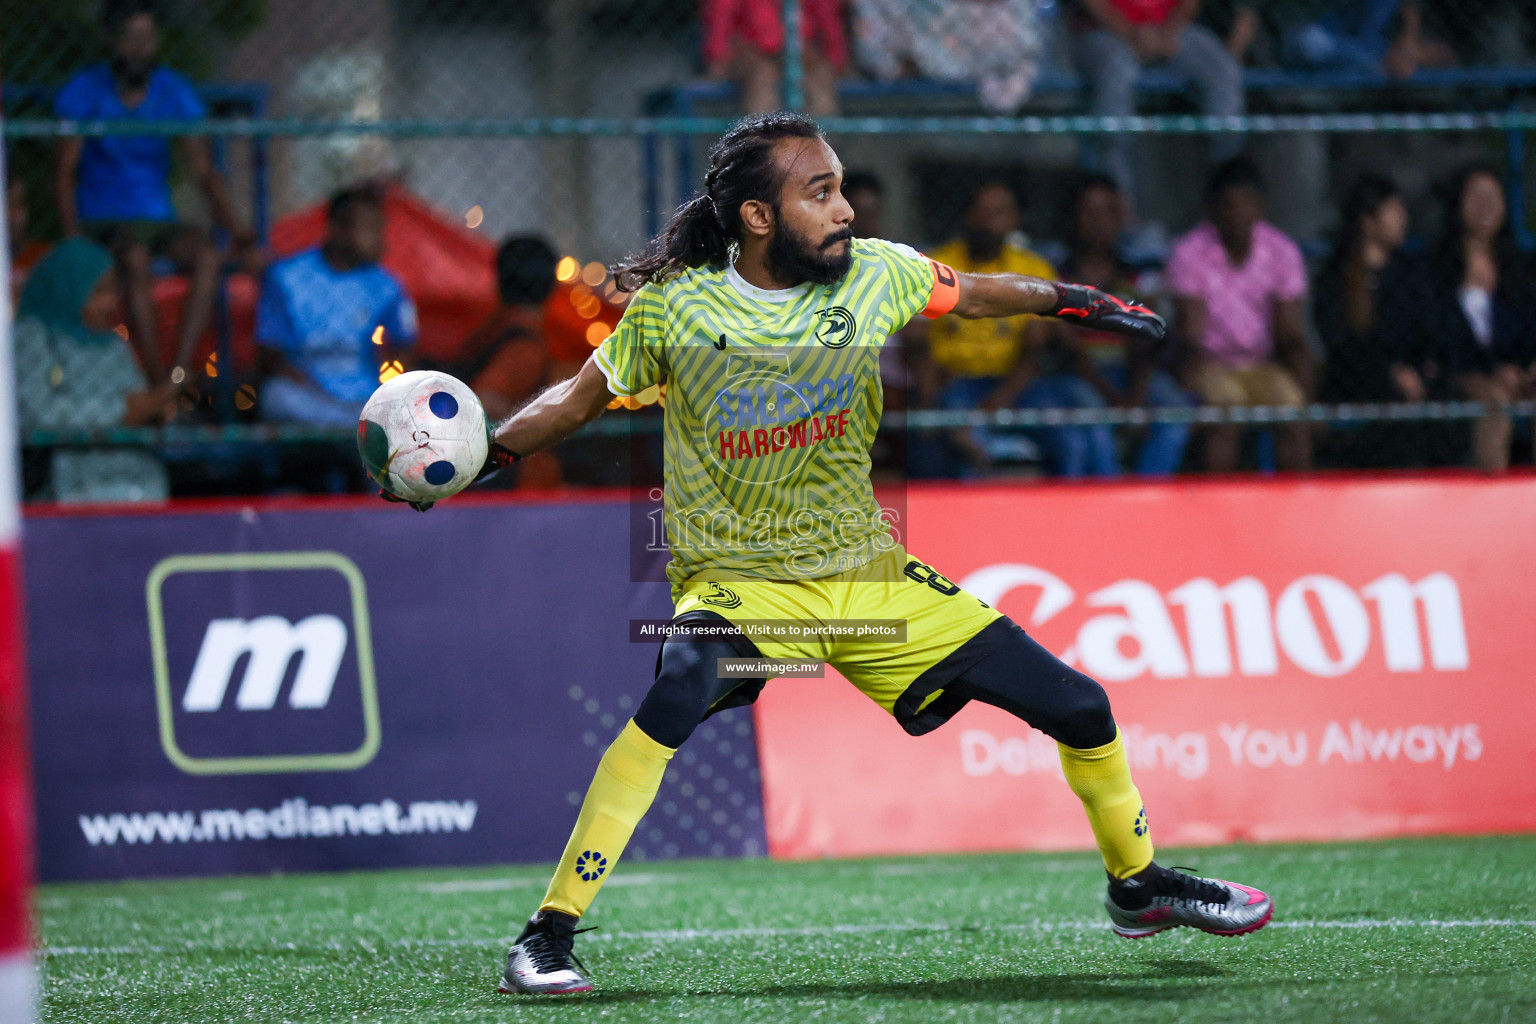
pixel 559 410
pixel 1004 295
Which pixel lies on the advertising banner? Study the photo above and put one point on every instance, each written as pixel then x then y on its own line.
pixel 1286 661
pixel 251 689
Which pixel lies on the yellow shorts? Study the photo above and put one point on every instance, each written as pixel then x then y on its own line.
pixel 905 678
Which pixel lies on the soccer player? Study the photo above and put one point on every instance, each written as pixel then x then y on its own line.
pixel 764 317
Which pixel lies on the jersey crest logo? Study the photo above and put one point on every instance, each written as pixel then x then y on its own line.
pixel 722 597
pixel 720 345
pixel 837 326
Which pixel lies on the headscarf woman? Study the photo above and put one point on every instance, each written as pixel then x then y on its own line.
pixel 74 371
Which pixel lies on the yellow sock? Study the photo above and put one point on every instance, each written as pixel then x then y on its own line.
pixel 1101 778
pixel 626 782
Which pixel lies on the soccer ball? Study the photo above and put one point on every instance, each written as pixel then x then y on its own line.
pixel 423 436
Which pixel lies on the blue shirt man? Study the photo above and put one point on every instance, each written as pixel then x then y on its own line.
pixel 117 189
pixel 126 177
pixel 330 317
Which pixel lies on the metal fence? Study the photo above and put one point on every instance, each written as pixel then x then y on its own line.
pixel 585 122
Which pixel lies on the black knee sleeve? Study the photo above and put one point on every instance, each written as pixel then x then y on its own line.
pixel 687 684
pixel 1083 719
pixel 681 694
pixel 1018 675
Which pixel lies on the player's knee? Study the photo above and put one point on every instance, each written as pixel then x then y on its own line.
pixel 679 698
pixel 1083 720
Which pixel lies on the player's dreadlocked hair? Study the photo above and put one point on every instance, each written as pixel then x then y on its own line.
pixel 701 232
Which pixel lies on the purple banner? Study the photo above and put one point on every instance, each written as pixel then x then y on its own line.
pixel 249 690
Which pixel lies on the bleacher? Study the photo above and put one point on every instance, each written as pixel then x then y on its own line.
pixel 1269 90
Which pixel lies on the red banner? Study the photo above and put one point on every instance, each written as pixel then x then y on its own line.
pixel 1288 660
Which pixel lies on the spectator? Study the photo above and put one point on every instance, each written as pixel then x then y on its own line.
pixel 1242 32
pixel 744 41
pixel 74 371
pixel 25 250
pixel 996 44
pixel 330 317
pixel 517 349
pixel 1362 362
pixel 1125 36
pixel 116 189
pixel 1239 287
pixel 1353 35
pixel 865 192
pixel 994 364
pixel 506 358
pixel 1122 370
pixel 1468 311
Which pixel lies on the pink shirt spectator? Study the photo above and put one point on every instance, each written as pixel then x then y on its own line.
pixel 760 24
pixel 1239 301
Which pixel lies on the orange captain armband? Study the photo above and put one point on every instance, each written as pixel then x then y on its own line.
pixel 946 290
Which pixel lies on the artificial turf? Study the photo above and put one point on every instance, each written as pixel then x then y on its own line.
pixel 1420 930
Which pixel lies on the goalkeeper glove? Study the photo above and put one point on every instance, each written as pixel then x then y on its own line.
pixel 1090 307
pixel 419 506
pixel 497 458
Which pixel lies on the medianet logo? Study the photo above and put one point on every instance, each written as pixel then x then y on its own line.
pixel 318 641
pixel 220 678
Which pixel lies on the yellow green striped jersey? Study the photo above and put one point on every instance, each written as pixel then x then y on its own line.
pixel 772 402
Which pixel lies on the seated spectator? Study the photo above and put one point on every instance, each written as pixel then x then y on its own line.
pixel 566 319
pixel 1122 370
pixel 74 371
pixel 997 44
pixel 505 358
pixel 1467 311
pixel 1361 363
pixel 511 355
pixel 116 189
pixel 994 364
pixel 25 250
pixel 1239 285
pixel 329 318
pixel 744 42
pixel 1353 35
pixel 1124 36
pixel 865 192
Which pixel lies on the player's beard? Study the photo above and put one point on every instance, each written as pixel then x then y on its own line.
pixel 795 259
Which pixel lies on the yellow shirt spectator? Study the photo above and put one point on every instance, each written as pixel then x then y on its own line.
pixel 983 348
